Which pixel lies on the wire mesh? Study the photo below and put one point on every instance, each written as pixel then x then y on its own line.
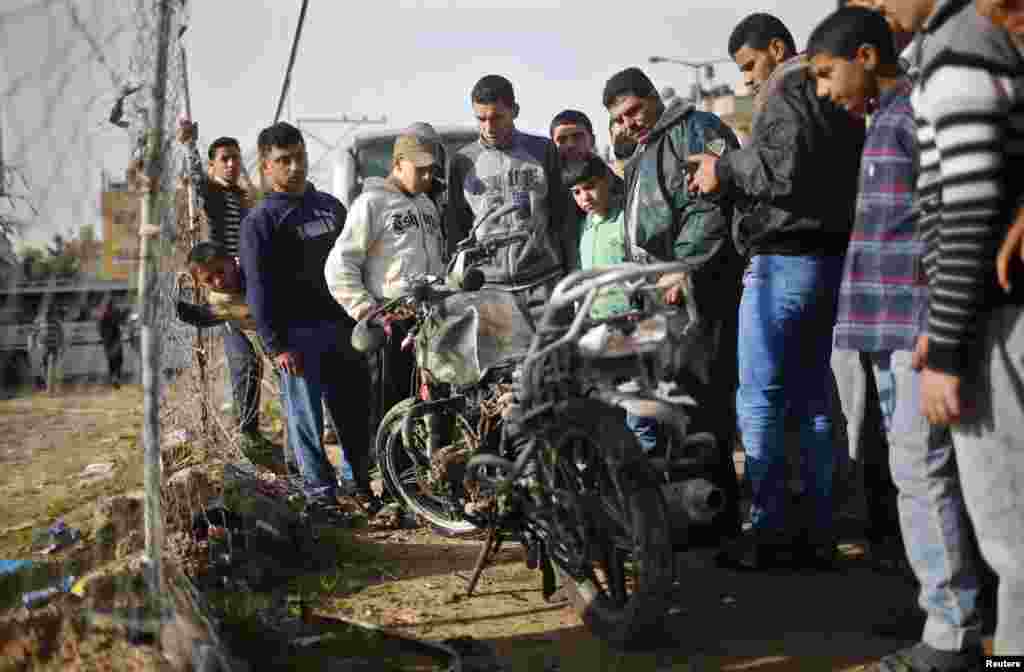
pixel 93 87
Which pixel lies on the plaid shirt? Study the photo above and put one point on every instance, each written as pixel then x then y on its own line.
pixel 881 300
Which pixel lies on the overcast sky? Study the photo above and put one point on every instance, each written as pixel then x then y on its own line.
pixel 410 61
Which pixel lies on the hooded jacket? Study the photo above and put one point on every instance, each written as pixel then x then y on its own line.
pixel 794 184
pixel 388 237
pixel 527 172
pixel 285 243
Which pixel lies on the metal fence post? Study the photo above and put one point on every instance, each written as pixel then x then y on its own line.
pixel 149 229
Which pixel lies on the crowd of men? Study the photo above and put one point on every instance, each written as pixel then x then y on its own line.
pixel 850 244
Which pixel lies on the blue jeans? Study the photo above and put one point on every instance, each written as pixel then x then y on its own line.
pixel 246 371
pixel 333 373
pixel 936 531
pixel 784 345
pixel 645 430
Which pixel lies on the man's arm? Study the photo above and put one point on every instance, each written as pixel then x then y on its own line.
pixel 459 215
pixel 560 220
pixel 765 169
pixel 703 224
pixel 255 250
pixel 344 268
pixel 968 111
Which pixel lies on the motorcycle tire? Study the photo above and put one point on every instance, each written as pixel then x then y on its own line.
pixel 623 620
pixel 395 466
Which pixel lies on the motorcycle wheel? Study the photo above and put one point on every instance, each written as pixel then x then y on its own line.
pixel 623 596
pixel 403 480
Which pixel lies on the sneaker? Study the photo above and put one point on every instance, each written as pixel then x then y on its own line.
pixel 923 658
pixel 324 512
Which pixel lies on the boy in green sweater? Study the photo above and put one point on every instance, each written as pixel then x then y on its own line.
pixel 603 244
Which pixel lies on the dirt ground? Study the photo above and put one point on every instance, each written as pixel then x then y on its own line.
pixel 720 620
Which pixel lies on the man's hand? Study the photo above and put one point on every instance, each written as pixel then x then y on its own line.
pixel 704 178
pixel 290 363
pixel 940 397
pixel 1012 247
pixel 187 131
pixel 673 286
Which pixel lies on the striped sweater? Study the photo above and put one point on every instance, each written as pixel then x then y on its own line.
pixel 969 108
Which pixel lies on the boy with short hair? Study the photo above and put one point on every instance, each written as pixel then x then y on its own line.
pixel 881 301
pixel 392 234
pixel 212 266
pixel 602 243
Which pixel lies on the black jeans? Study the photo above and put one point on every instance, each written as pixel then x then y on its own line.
pixel 394 371
pixel 246 369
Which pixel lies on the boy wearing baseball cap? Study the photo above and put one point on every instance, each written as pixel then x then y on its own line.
pixel 393 233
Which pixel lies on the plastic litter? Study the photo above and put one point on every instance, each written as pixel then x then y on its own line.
pixel 38 598
pixel 59 536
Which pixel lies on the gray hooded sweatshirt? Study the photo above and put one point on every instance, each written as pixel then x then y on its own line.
pixel 388 237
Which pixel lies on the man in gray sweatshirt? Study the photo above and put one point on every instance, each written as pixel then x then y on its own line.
pixel 507 166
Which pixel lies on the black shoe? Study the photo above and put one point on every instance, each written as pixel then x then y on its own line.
pixel 816 557
pixel 923 658
pixel 326 513
pixel 754 552
pixel 368 502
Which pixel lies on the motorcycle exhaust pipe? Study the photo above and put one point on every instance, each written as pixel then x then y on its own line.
pixel 695 500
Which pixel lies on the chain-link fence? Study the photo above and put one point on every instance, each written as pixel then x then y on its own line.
pixel 105 569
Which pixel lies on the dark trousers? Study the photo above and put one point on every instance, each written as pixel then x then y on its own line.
pixel 336 374
pixel 246 369
pixel 115 359
pixel 394 371
pixel 716 414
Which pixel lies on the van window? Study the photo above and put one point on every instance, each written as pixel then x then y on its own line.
pixel 374 158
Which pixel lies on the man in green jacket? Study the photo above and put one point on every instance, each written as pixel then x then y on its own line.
pixel 665 222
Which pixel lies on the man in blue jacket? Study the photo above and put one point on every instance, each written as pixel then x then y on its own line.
pixel 285 242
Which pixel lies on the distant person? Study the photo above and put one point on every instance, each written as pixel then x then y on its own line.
pixel 286 240
pixel 392 234
pixel 506 166
pixel 573 135
pixel 49 340
pixel 108 323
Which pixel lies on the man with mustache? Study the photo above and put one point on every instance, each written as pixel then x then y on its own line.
pixel 664 222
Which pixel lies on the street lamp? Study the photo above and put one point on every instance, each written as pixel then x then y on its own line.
pixel 705 67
